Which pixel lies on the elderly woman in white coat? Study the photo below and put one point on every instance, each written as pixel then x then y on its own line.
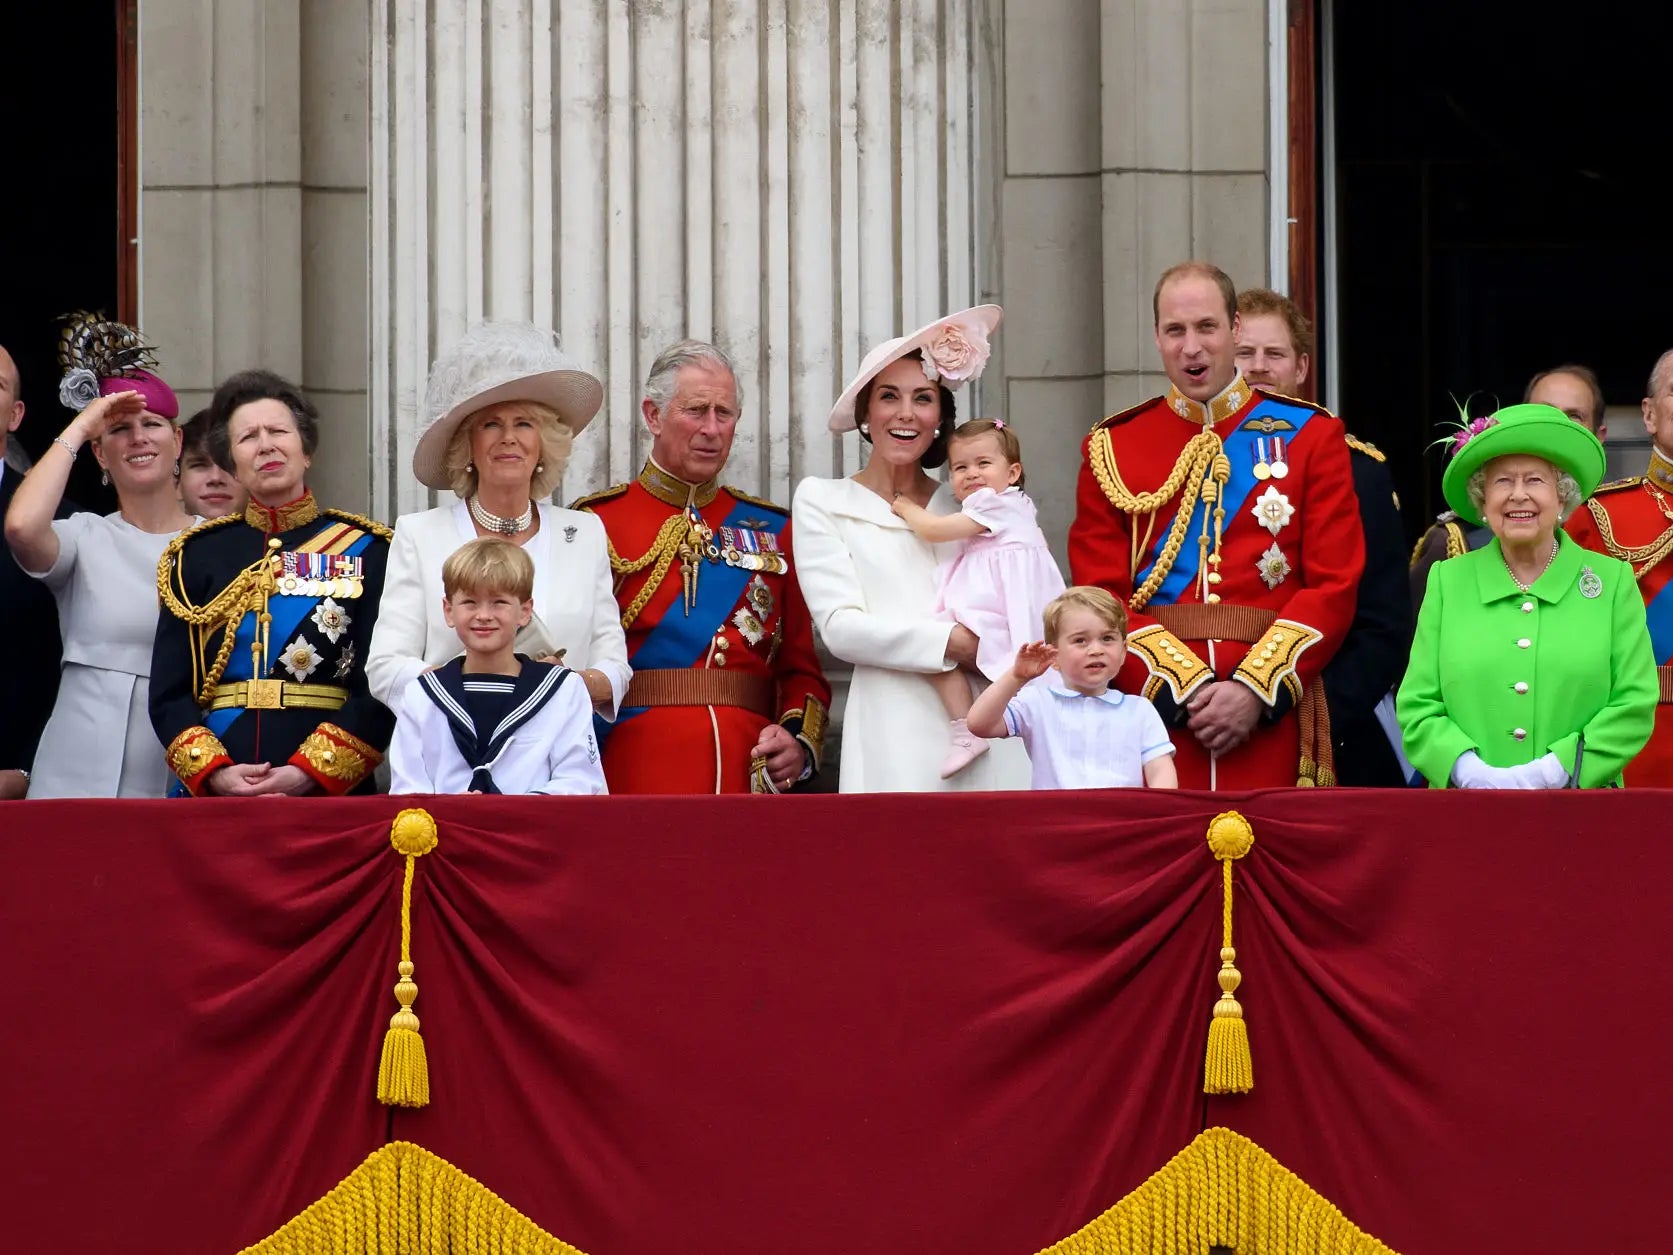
pixel 504 405
pixel 871 584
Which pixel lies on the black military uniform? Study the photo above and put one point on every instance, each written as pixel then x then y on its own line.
pixel 297 588
pixel 1447 537
pixel 29 640
pixel 1373 654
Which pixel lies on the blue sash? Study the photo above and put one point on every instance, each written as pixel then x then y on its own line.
pixel 1239 448
pixel 680 640
pixel 1658 611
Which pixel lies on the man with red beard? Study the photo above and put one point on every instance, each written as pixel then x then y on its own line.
pixel 1226 519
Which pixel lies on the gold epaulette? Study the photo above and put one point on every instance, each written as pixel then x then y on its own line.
pixel 741 495
pixel 1457 542
pixel 360 520
pixel 1367 448
pixel 1121 416
pixel 1631 481
pixel 1301 401
pixel 603 494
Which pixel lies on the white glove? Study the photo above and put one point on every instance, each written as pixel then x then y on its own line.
pixel 1547 772
pixel 1469 772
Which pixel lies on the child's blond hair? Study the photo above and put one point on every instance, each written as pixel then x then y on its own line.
pixel 1085 597
pixel 489 565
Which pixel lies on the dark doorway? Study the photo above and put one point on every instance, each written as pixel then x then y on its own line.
pixel 1495 212
pixel 70 84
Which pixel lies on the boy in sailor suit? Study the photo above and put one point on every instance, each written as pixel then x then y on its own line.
pixel 493 721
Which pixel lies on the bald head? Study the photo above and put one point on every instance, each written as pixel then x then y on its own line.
pixel 11 404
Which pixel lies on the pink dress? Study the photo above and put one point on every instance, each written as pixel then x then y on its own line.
pixel 999 583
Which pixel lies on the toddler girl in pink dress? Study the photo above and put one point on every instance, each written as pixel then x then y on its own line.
pixel 1003 576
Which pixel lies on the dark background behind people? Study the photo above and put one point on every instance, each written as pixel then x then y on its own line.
pixel 60 224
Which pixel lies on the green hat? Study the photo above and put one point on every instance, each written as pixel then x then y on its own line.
pixel 1541 431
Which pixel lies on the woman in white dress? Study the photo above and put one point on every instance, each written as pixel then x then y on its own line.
pixel 504 405
pixel 871 583
pixel 102 570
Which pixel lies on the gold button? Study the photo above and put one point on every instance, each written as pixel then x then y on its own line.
pixel 194 752
pixel 1278 638
pixel 329 756
pixel 1259 663
pixel 720 660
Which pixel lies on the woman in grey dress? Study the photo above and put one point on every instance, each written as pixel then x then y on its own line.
pixel 103 570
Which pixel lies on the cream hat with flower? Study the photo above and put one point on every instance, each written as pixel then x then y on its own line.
pixel 494 362
pixel 955 351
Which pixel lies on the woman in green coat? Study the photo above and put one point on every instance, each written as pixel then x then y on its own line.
pixel 1531 667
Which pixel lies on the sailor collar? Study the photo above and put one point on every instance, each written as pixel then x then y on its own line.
pixel 271 520
pixel 1229 401
pixel 672 490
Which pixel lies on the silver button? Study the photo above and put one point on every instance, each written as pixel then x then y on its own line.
pixel 1521 686
pixel 1527 607
pixel 1523 643
pixel 1521 734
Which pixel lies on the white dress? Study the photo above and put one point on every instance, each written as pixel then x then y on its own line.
pixel 99 741
pixel 871 587
pixel 574 595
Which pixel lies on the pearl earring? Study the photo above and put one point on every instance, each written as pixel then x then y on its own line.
pixel 865 429
pixel 470 467
pixel 539 467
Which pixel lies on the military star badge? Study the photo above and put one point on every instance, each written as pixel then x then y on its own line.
pixel 1273 565
pixel 1273 510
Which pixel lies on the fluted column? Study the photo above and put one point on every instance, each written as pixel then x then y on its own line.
pixel 792 178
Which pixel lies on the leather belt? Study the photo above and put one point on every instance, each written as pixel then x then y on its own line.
pixel 278 695
pixel 693 686
pixel 1200 621
pixel 1664 673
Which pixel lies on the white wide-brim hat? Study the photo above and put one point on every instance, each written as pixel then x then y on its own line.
pixel 491 363
pixel 955 349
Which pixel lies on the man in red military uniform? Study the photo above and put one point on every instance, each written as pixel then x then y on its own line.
pixel 727 693
pixel 1632 519
pixel 1227 520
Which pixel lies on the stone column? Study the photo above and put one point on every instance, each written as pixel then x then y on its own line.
pixel 792 178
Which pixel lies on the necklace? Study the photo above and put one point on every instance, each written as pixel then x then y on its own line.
pixel 494 523
pixel 1542 570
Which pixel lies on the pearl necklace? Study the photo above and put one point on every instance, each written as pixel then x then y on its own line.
pixel 1519 584
pixel 494 523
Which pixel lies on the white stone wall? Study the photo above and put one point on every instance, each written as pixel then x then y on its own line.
pixel 253 243
pixel 792 178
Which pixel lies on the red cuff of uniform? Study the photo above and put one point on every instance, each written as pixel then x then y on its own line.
pixel 194 754
pixel 335 759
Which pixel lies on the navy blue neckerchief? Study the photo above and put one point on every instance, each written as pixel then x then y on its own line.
pixel 534 686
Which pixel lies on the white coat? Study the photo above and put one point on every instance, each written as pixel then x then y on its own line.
pixel 554 752
pixel 871 587
pixel 573 595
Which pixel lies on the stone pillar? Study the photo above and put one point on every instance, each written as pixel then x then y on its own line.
pixel 1132 134
pixel 791 178
pixel 252 206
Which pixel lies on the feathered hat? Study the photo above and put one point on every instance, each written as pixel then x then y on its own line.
pixel 1543 431
pixel 101 357
pixel 955 349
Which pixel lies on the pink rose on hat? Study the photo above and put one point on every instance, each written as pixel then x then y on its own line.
pixel 958 350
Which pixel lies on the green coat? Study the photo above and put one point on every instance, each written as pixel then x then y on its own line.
pixel 1515 675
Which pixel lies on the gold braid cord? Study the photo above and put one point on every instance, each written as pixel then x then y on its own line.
pixel 1641 557
pixel 404 1199
pixel 1221 1190
pixel 247 592
pixel 664 549
pixel 1202 469
pixel 1228 1067
pixel 403 1068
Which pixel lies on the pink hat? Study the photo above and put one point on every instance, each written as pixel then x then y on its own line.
pixel 955 350
pixel 159 397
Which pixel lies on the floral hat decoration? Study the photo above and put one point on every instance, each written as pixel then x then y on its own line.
pixel 955 350
pixel 1541 431
pixel 101 357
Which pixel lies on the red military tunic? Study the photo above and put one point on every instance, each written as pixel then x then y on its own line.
pixel 1632 519
pixel 708 677
pixel 1283 537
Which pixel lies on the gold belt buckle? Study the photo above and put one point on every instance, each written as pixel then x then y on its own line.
pixel 264 695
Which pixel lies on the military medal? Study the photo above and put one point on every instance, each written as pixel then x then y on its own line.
pixel 1280 467
pixel 1591 584
pixel 1273 565
pixel 1273 510
pixel 1263 468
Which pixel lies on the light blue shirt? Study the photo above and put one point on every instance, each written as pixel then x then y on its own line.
pixel 1081 741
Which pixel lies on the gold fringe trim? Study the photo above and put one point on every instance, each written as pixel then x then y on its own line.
pixel 1228 1067
pixel 403 1199
pixel 1221 1190
pixel 403 1069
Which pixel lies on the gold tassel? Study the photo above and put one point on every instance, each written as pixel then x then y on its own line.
pixel 1228 1067
pixel 403 1070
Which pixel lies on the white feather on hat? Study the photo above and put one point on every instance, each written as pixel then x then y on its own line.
pixel 955 350
pixel 494 362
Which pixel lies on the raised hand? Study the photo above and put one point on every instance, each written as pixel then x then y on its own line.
pixel 1034 660
pixel 104 412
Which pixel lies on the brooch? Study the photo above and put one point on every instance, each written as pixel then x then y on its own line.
pixel 1591 584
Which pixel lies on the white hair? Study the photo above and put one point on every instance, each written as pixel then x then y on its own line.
pixel 1569 496
pixel 660 384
